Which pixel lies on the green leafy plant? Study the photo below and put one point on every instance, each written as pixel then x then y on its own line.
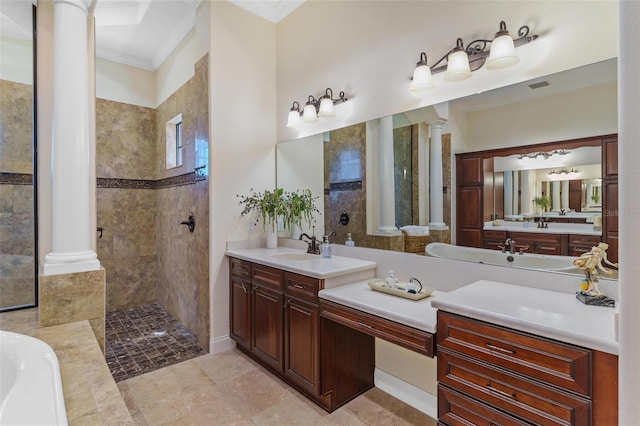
pixel 595 198
pixel 543 202
pixel 270 205
pixel 292 207
pixel 301 207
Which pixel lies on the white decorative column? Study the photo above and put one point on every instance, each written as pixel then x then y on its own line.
pixel 508 193
pixel 436 201
pixel 588 193
pixel 516 189
pixel 555 194
pixel 387 181
pixel 564 195
pixel 525 193
pixel 71 160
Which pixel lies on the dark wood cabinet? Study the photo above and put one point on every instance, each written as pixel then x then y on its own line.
pixel 494 240
pixel 275 319
pixel 580 244
pixel 489 374
pixel 554 244
pixel 610 196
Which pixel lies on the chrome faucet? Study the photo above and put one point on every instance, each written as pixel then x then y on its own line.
pixel 511 244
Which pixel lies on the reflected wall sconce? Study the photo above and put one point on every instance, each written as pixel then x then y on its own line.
pixel 564 172
pixel 461 61
pixel 314 108
pixel 543 154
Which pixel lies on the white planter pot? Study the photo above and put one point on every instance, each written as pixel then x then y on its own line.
pixel 295 231
pixel 272 237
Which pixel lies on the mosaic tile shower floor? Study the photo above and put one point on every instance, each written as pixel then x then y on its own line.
pixel 143 339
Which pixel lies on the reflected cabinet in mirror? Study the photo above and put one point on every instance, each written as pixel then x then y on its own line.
pixel 498 164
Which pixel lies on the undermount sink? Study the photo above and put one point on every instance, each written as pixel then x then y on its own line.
pixel 293 256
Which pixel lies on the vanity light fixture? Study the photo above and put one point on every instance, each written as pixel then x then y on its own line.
pixel 543 154
pixel 314 108
pixel 461 61
pixel 564 172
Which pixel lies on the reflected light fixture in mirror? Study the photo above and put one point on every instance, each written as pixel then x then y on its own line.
pixel 314 108
pixel 462 61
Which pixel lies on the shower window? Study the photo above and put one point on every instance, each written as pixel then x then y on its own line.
pixel 174 142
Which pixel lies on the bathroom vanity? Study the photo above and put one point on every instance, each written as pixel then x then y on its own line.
pixel 558 239
pixel 313 321
pixel 516 355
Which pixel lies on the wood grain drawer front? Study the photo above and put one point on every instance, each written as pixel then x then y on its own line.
pixel 555 363
pixel 584 240
pixel 405 336
pixel 538 237
pixel 456 409
pixel 521 397
pixel 301 286
pixel 496 235
pixel 266 275
pixel 240 268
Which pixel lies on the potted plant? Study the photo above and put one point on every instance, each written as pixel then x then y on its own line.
pixel 291 207
pixel 595 198
pixel 542 202
pixel 270 205
pixel 301 206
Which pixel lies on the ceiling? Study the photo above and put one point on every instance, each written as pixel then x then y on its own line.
pixel 142 33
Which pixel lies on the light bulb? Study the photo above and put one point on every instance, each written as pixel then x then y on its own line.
pixel 457 66
pixel 421 79
pixel 502 53
pixel 309 113
pixel 326 108
pixel 294 119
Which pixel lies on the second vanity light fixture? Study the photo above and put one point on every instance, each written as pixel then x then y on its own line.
pixel 314 108
pixel 461 61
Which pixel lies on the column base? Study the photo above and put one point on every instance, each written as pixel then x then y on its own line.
pixel 438 226
pixel 387 231
pixel 70 263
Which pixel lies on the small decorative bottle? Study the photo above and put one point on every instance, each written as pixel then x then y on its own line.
pixel 326 247
pixel 349 242
pixel 391 280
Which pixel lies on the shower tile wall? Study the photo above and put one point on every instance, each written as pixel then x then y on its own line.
pixel 125 138
pixel 183 257
pixel 17 270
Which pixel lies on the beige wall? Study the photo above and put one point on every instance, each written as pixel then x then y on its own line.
pixel 243 135
pixel 377 79
pixel 126 84
pixel 16 61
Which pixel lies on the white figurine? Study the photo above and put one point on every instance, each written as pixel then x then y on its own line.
pixel 592 265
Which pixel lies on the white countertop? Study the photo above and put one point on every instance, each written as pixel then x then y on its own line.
pixel 414 313
pixel 545 313
pixel 316 266
pixel 554 228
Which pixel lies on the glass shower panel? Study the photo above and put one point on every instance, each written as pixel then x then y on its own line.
pixel 18 285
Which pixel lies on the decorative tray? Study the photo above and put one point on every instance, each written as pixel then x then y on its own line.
pixel 379 285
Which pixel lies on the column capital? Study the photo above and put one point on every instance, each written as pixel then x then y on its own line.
pixel 83 5
pixel 437 123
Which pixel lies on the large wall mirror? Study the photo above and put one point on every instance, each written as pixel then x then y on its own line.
pixel 18 257
pixel 340 166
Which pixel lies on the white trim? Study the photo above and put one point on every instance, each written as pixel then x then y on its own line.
pixel 417 398
pixel 221 344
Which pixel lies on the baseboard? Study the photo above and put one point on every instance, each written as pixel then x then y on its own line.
pixel 417 398
pixel 221 344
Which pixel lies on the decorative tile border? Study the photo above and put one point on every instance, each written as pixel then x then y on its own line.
pixel 346 186
pixel 185 179
pixel 16 179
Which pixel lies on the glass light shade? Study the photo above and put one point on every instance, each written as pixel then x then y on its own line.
pixel 294 119
pixel 502 53
pixel 421 79
pixel 457 66
pixel 309 114
pixel 326 108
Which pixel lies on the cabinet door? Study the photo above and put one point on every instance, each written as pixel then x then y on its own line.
pixel 240 315
pixel 266 342
pixel 301 343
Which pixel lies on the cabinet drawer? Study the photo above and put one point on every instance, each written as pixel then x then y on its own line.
pixel 302 286
pixel 496 235
pixel 266 275
pixel 555 363
pixel 538 237
pixel 584 240
pixel 521 397
pixel 456 409
pixel 240 268
pixel 408 337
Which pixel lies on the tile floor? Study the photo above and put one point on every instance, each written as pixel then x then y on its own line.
pixel 231 389
pixel 143 339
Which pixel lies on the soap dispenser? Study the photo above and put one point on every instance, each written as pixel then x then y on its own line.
pixel 349 242
pixel 326 247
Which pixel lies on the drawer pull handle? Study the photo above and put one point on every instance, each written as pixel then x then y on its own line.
pixel 301 287
pixel 286 304
pixel 499 392
pixel 365 325
pixel 499 349
pixel 244 288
